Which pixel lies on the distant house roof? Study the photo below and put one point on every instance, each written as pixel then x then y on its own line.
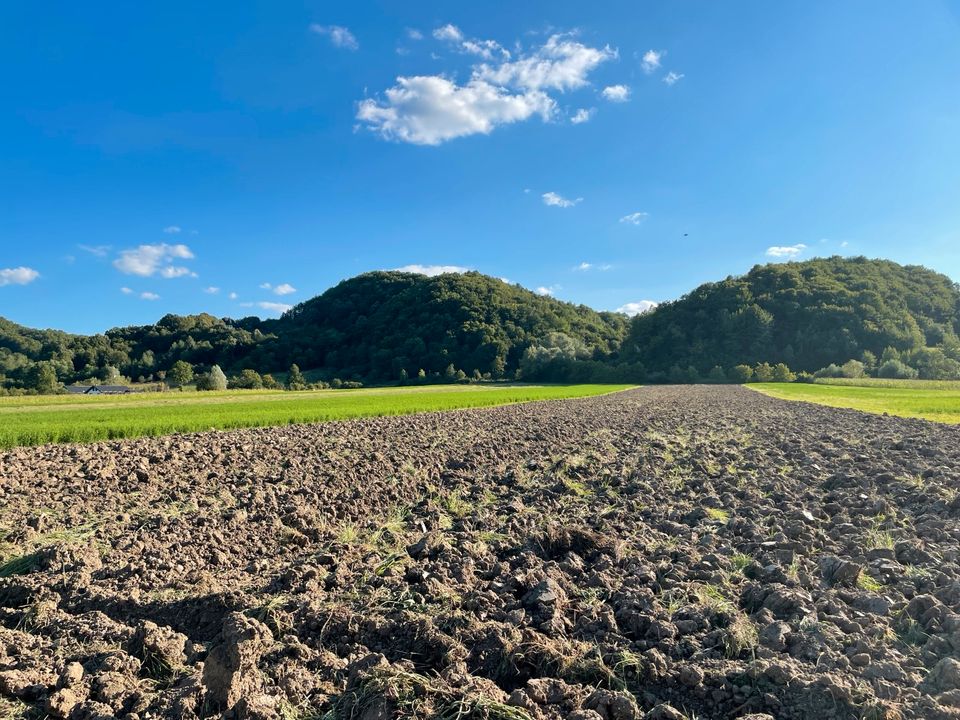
pixel 99 389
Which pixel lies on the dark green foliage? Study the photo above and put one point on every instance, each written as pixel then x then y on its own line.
pixel 804 314
pixel 375 325
pixel 387 327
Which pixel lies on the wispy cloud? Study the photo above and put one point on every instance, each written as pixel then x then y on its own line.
pixel 147 260
pixel 414 34
pixel 448 32
pixel 635 218
pixel 274 307
pixel 18 276
pixel 585 267
pixel 555 200
pixel 433 109
pixel 582 115
pixel 126 291
pixel 233 296
pixel 340 36
pixel 432 270
pixel 284 289
pixel 173 229
pixel 616 93
pixel 651 60
pixel 637 308
pixel 785 251
pixel 672 78
pixel 149 296
pixel 211 290
pixel 97 250
pixel 547 290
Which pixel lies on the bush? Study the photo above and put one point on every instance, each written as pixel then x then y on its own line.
pixel 853 369
pixel 741 374
pixel 897 370
pixel 247 380
pixel 717 375
pixel 763 373
pixel 782 374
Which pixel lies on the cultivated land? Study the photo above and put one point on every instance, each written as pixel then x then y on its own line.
pixel 931 400
pixel 34 420
pixel 705 548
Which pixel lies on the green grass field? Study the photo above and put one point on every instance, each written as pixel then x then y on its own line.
pixel 35 420
pixel 931 400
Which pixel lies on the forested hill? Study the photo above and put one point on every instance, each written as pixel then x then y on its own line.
pixel 805 314
pixel 381 323
pixel 371 327
pixel 384 327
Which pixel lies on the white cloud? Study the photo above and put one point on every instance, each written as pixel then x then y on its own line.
pixel 284 289
pixel 265 286
pixel 147 260
pixel 339 36
pixel 233 296
pixel 126 291
pixel 585 266
pixel 175 271
pixel 672 78
pixel 414 34
pixel 582 115
pixel 844 244
pixel 211 290
pixel 274 307
pixel 635 218
pixel 18 276
pixel 432 109
pixel 560 64
pixel 651 60
pixel 637 308
pixel 448 32
pixel 149 296
pixel 98 250
pixel 487 49
pixel 547 291
pixel 432 270
pixel 555 200
pixel 173 229
pixel 616 93
pixel 787 251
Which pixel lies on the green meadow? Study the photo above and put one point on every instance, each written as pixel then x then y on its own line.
pixel 39 419
pixel 928 399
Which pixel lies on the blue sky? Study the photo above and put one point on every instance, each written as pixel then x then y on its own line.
pixel 236 158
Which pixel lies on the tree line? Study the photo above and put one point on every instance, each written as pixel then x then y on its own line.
pixel 841 317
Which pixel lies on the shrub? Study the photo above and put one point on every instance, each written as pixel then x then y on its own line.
pixel 897 370
pixel 717 375
pixel 247 380
pixel 830 371
pixel 763 373
pixel 781 373
pixel 741 374
pixel 853 369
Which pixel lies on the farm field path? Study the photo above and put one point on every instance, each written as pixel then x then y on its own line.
pixel 663 552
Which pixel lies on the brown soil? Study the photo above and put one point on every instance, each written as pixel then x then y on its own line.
pixel 668 552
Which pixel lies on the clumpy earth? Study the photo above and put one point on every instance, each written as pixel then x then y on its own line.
pixel 662 553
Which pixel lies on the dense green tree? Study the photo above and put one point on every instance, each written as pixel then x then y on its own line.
pixel 805 314
pixel 180 374
pixel 295 379
pixel 783 374
pixel 44 379
pixel 247 380
pixel 741 374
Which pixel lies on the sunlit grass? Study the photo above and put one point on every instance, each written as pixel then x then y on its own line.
pixel 930 403
pixel 37 420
